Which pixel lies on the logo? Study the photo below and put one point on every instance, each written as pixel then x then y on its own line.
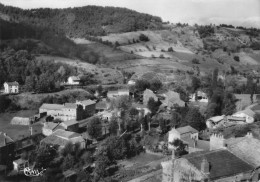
pixel 31 173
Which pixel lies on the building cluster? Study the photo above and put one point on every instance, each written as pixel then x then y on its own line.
pixel 220 159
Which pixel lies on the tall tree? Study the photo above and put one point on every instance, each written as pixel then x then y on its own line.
pixel 95 128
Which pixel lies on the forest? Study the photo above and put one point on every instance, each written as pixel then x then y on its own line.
pixel 83 21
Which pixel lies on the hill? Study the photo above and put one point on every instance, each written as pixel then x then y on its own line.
pixel 88 20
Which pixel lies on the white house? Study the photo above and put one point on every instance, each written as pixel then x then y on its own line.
pixel 11 87
pixel 73 80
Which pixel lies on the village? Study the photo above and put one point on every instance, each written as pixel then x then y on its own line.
pixel 206 152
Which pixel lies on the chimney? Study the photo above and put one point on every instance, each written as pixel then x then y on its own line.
pixel 205 166
pixel 249 135
pixel 173 154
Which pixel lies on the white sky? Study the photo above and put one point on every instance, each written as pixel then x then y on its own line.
pixel 236 12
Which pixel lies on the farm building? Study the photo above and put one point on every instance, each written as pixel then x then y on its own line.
pixel 49 127
pixel 62 137
pixel 89 107
pixel 21 121
pixel 199 96
pixel 70 125
pixel 11 87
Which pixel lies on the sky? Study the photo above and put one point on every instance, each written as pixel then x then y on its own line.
pixel 236 12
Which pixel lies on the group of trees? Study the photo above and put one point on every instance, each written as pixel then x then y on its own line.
pixel 205 31
pixel 88 20
pixel 35 75
pixel 153 84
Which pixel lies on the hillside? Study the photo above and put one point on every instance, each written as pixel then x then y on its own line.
pixel 88 20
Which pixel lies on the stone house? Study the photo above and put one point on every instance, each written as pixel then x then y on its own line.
pixel 89 107
pixel 67 111
pixel 50 127
pixel 71 125
pixel 147 95
pixel 7 147
pixel 73 80
pixel 216 166
pixel 11 87
pixel 61 138
pixel 180 133
pixel 199 96
pixel 171 99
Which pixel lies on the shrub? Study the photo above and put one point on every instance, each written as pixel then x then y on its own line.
pixel 236 58
pixel 144 38
pixel 170 49
pixel 161 56
pixel 195 61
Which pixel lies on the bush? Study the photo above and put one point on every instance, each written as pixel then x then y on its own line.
pixel 143 38
pixel 236 58
pixel 170 49
pixel 161 56
pixel 195 61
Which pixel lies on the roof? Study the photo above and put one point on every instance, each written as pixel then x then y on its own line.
pixel 216 119
pixel 101 105
pixel 246 148
pixel 66 134
pixel 12 83
pixel 87 102
pixel 52 125
pixel 70 122
pixel 17 120
pixel 234 118
pixel 200 144
pixel 186 129
pixel 222 163
pixel 4 139
pixel 68 173
pixel 52 106
pixel 248 112
pixel 75 78
pixel 174 97
pixel 70 105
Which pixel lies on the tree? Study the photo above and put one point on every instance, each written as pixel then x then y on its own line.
pixel 195 84
pixel 101 164
pixel 68 149
pixel 195 119
pixel 175 119
pixel 94 127
pixel 113 126
pixel 153 105
pixel 163 125
pixel 195 61
pixel 44 156
pixel 229 103
pixel 83 176
pixel 87 157
pixel 142 84
pixel 236 58
pixel 68 162
pixel 155 84
pixel 143 37
pixel 170 49
pixel 214 82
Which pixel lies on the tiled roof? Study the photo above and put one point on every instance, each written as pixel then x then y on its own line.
pixel 101 105
pixel 66 134
pixel 52 125
pixel 186 129
pixel 200 144
pixel 52 106
pixel 87 102
pixel 70 105
pixel 75 78
pixel 4 139
pixel 246 148
pixel 12 83
pixel 222 163
pixel 70 122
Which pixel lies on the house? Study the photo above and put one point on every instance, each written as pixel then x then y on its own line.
pixel 172 98
pixel 247 114
pixel 117 93
pixel 67 111
pixel 105 115
pixel 70 125
pixel 182 132
pixel 214 121
pixel 147 95
pixel 62 137
pixel 199 96
pixel 20 164
pixel 89 107
pixel 131 82
pixel 49 127
pixel 101 106
pixel 21 121
pixel 73 80
pixel 7 147
pixel 216 166
pixel 11 87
